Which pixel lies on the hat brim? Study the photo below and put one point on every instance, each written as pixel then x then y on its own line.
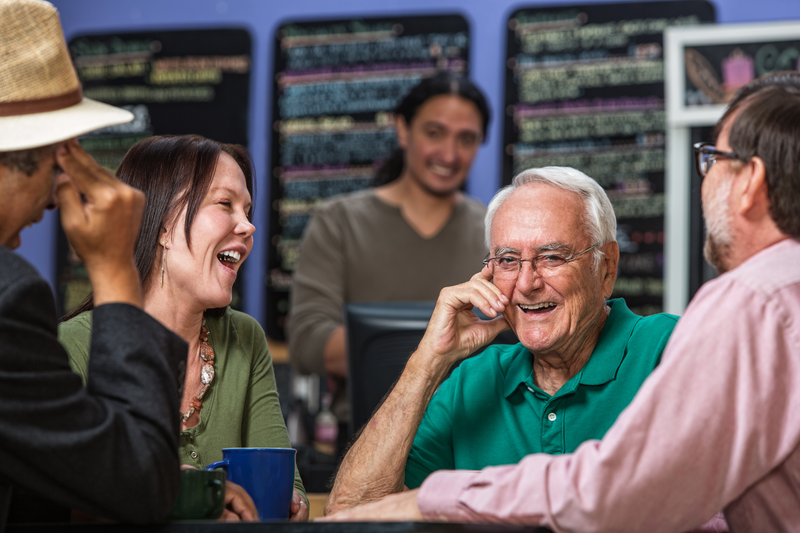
pixel 21 132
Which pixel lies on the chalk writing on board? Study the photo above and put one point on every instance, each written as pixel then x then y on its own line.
pixel 715 72
pixel 334 86
pixel 585 89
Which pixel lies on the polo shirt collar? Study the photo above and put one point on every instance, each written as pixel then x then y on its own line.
pixel 601 367
pixel 609 351
pixel 519 371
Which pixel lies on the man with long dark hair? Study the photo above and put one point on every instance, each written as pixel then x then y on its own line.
pixel 377 245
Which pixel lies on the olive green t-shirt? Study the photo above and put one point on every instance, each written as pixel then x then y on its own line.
pixel 490 412
pixel 240 408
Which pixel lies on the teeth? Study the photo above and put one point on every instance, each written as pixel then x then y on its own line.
pixel 542 305
pixel 441 170
pixel 229 256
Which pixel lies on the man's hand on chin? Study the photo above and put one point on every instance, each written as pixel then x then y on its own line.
pixel 400 507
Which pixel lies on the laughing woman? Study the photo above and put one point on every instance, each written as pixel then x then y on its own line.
pixel 196 232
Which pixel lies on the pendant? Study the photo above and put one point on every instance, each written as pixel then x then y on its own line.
pixel 207 374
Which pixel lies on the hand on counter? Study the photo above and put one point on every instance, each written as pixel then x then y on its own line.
pixel 400 507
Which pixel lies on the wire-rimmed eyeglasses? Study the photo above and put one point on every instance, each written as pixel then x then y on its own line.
pixel 507 267
pixel 706 155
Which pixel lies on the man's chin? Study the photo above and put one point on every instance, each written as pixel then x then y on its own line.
pixel 443 192
pixel 716 254
pixel 13 242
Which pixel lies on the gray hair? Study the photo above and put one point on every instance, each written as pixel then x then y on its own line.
pixel 27 160
pixel 600 218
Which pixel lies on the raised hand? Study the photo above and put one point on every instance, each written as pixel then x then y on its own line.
pixel 101 217
pixel 454 330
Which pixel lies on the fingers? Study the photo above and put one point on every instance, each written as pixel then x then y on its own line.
pixel 454 330
pixel 477 292
pixel 298 510
pixel 239 502
pixel 395 507
pixel 86 172
pixel 69 203
pixel 101 217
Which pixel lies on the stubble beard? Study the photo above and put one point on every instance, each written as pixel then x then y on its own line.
pixel 719 234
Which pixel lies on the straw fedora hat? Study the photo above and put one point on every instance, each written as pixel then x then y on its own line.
pixel 41 101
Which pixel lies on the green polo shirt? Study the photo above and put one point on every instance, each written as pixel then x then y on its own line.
pixel 489 411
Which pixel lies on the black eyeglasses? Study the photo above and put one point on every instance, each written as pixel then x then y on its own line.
pixel 706 155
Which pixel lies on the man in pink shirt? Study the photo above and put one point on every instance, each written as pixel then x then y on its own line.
pixel 716 425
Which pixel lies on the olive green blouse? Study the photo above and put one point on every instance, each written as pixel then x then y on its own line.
pixel 240 408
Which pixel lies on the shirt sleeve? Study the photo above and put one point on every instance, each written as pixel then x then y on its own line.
pixel 89 448
pixel 318 293
pixel 76 338
pixel 433 444
pixel 262 421
pixel 713 419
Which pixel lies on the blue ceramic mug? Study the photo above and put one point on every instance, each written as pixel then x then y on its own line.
pixel 267 474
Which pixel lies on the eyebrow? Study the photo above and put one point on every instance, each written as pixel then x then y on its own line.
pixel 441 125
pixel 549 247
pixel 227 190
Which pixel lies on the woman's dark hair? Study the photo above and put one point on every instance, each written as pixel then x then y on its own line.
pixel 174 172
pixel 442 83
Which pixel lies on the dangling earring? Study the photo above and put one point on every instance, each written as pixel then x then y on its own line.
pixel 163 263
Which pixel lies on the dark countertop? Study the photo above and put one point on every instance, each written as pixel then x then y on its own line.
pixel 275 527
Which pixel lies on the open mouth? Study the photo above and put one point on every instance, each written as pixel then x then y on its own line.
pixel 229 258
pixel 439 169
pixel 537 309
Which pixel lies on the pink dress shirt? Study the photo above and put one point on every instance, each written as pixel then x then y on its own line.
pixel 716 426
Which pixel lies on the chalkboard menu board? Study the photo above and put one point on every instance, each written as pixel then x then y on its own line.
pixel 174 82
pixel 715 72
pixel 335 85
pixel 585 89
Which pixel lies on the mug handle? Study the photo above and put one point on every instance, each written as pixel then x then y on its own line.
pixel 218 486
pixel 219 464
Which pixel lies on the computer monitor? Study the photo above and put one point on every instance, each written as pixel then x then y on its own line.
pixel 381 336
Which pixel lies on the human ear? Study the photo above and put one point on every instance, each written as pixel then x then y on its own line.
pixel 401 128
pixel 753 199
pixel 608 267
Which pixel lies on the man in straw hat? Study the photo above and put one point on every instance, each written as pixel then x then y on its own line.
pixel 111 449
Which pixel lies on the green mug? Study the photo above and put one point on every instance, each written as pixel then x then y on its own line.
pixel 202 495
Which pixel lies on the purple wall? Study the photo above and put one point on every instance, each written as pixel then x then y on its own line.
pixel 487 21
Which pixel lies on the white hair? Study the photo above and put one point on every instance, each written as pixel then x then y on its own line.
pixel 600 219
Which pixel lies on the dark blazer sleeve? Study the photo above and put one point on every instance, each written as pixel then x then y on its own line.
pixel 110 449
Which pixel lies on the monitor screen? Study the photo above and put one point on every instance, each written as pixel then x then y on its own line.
pixel 381 336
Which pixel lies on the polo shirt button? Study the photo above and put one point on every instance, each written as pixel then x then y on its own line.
pixel 551 417
pixel 194 455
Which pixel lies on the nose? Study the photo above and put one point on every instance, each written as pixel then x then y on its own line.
pixel 244 228
pixel 528 279
pixel 449 151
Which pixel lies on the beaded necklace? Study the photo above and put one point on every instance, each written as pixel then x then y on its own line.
pixel 206 374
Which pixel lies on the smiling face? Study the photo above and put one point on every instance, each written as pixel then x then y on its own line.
pixel 202 277
pixel 23 198
pixel 440 143
pixel 566 310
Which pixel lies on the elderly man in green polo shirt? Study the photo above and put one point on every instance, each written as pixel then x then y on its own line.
pixel 580 361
